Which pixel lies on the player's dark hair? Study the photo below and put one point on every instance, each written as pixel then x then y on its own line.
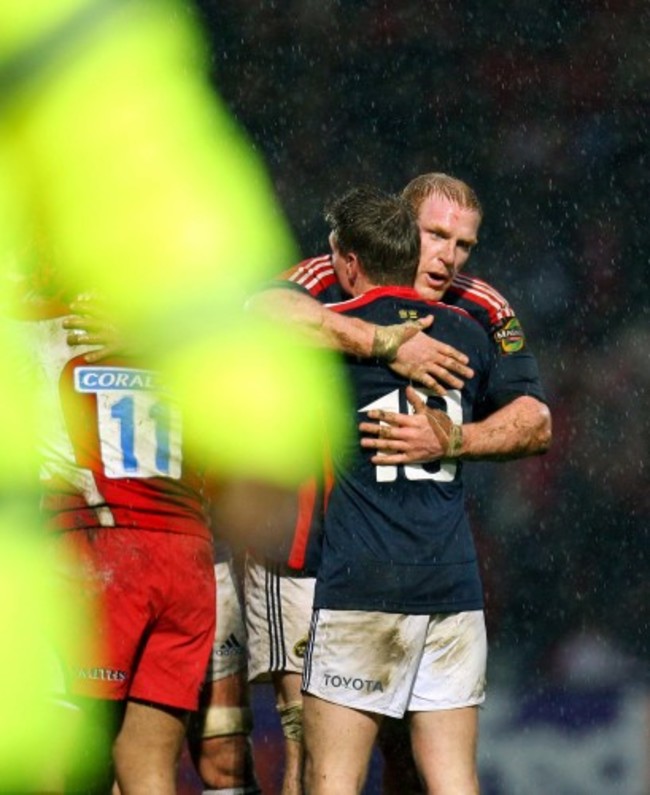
pixel 381 230
pixel 437 183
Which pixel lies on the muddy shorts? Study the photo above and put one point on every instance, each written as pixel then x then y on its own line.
pixel 392 663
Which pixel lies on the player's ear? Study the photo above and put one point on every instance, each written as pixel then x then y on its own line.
pixel 352 266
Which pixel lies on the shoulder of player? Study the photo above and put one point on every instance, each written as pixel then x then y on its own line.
pixel 406 297
pixel 459 318
pixel 479 298
pixel 377 295
pixel 310 274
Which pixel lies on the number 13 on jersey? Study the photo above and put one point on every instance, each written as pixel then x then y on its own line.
pixel 448 467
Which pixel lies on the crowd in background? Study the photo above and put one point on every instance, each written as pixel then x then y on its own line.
pixel 544 110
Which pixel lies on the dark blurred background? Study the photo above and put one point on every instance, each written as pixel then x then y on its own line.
pixel 543 108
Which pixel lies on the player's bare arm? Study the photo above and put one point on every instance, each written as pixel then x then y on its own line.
pixel 520 429
pixel 409 352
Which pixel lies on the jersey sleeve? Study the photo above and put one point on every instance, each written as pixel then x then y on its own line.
pixel 515 370
pixel 314 276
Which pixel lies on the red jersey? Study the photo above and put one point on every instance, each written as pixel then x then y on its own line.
pixel 112 453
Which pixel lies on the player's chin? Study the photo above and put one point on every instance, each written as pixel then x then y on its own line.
pixel 430 286
pixel 432 293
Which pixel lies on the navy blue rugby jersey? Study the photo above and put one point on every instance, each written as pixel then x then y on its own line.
pixel 397 538
pixel 516 369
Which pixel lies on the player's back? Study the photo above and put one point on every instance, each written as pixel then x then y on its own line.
pixel 397 538
pixel 112 451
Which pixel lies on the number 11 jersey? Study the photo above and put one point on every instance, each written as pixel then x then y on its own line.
pixel 111 453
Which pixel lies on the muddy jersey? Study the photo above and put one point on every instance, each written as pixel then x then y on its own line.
pixel 516 369
pixel 112 453
pixel 515 372
pixel 397 538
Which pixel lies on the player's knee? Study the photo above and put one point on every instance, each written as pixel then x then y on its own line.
pixel 99 721
pixel 224 721
pixel 291 720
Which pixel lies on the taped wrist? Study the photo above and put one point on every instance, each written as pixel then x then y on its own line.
pixel 449 435
pixel 291 720
pixel 223 721
pixel 455 443
pixel 386 342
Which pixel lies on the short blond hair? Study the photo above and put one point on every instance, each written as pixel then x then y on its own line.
pixel 437 183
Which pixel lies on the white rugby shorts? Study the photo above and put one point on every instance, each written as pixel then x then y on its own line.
pixel 391 663
pixel 278 613
pixel 229 648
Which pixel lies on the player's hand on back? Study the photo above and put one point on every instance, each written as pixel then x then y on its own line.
pixel 418 438
pixel 433 364
pixel 90 325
